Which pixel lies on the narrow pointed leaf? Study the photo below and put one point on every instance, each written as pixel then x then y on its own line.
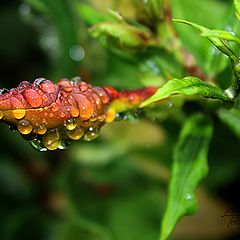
pixel 187 86
pixel 216 41
pixel 221 35
pixel 189 168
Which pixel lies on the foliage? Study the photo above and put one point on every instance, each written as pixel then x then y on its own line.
pixel 116 186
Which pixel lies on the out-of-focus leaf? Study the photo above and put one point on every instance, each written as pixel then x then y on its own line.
pixel 80 229
pixel 237 8
pixel 61 16
pixel 123 35
pixel 189 168
pixel 187 86
pixel 90 15
pixel 232 119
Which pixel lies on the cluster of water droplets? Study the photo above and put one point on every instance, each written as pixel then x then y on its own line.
pixel 61 137
pixel 56 126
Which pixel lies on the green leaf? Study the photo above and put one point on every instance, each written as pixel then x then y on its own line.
pixel 232 119
pixel 189 168
pixel 221 35
pixel 187 86
pixel 237 8
pixel 90 15
pixel 216 41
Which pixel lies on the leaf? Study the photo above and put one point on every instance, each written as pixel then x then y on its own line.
pixel 237 8
pixel 90 15
pixel 189 168
pixel 187 86
pixel 223 47
pixel 232 119
pixel 221 35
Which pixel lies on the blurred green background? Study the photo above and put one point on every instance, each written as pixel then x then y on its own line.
pixel 116 186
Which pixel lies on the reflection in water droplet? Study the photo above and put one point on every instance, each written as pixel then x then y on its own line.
pixel 76 134
pixel 70 124
pixel 41 129
pixel 52 139
pixel 24 127
pixel 18 113
pixel 91 134
pixel 37 144
pixel 1 115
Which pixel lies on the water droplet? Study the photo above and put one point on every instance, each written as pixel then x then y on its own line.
pixel 85 106
pixel 24 85
pixel 70 124
pixel 76 79
pixel 64 145
pixel 41 129
pixel 169 104
pixel 16 103
pixel 51 140
pixel 77 53
pixel 47 86
pixel 83 86
pixel 91 134
pixel 18 113
pixel 1 115
pixel 76 134
pixel 51 115
pixel 74 112
pixel 65 84
pixel 37 144
pixel 54 107
pixel 3 91
pixel 62 114
pixel 188 197
pixel 102 94
pixel 33 98
pixel 24 127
